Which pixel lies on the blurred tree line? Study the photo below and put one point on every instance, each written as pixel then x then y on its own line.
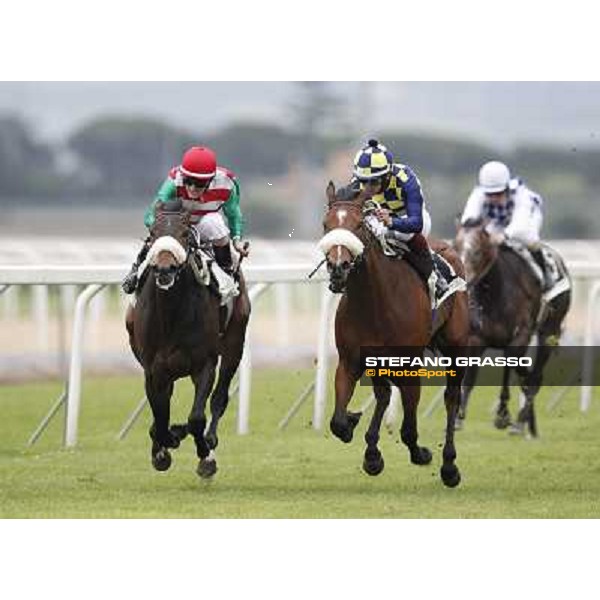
pixel 123 160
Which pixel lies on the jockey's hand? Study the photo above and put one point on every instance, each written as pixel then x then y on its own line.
pixel 383 214
pixel 243 248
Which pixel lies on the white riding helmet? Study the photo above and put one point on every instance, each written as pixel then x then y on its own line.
pixel 494 177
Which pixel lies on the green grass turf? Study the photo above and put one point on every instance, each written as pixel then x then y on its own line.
pixel 293 473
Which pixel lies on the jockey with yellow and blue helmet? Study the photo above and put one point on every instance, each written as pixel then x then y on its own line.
pixel 401 209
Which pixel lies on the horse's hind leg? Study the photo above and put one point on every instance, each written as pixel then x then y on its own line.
pixel 342 422
pixel 159 394
pixel 373 461
pixel 203 382
pixel 449 472
pixel 502 419
pixel 219 401
pixel 232 348
pixel 548 338
pixel 419 455
pixel 468 383
pixel 230 360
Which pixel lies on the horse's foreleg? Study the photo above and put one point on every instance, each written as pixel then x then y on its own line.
pixel 342 422
pixel 419 455
pixel 159 394
pixel 203 382
pixel 373 461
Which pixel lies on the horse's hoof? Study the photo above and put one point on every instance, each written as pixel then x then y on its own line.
pixel 206 468
pixel 459 424
pixel 422 456
pixel 211 440
pixel 161 461
pixel 502 421
pixel 373 465
pixel 354 418
pixel 342 432
pixel 450 476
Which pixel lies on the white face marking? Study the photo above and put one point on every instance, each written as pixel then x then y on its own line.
pixel 339 255
pixel 341 215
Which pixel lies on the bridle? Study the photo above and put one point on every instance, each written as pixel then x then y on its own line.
pixel 166 277
pixel 338 274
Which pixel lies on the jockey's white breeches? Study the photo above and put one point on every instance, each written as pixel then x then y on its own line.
pixel 526 231
pixel 211 227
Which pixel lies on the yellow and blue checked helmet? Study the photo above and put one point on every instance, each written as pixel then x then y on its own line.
pixel 372 161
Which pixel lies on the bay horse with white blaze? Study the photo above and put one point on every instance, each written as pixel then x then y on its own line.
pixel 505 312
pixel 386 303
pixel 174 332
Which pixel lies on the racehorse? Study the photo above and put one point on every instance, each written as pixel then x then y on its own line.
pixel 385 303
pixel 174 332
pixel 505 303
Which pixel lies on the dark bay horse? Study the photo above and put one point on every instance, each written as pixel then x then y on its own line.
pixel 505 299
pixel 385 303
pixel 174 332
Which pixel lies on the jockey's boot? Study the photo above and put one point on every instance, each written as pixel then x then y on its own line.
pixel 419 256
pixel 224 258
pixel 541 262
pixel 130 282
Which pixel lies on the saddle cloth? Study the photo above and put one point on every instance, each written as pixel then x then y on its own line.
pixel 558 275
pixel 454 281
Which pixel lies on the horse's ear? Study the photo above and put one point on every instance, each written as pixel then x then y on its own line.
pixel 362 196
pixel 330 191
pixel 457 223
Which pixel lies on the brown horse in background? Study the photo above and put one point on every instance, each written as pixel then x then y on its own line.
pixel 505 302
pixel 385 303
pixel 174 332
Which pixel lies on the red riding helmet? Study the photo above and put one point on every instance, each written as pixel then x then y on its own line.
pixel 199 162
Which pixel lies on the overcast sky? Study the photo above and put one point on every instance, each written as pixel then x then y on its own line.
pixel 505 113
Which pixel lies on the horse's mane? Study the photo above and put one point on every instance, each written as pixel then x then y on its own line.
pixel 348 193
pixel 470 223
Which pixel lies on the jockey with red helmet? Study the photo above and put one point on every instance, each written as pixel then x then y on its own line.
pixel 211 194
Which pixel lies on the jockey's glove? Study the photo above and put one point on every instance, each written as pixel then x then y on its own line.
pixel 243 248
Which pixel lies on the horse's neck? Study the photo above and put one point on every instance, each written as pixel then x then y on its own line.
pixel 491 288
pixel 369 283
pixel 171 306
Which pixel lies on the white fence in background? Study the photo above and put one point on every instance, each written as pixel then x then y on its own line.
pixel 96 276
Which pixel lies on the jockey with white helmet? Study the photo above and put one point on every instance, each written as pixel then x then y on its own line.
pixel 211 194
pixel 514 211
